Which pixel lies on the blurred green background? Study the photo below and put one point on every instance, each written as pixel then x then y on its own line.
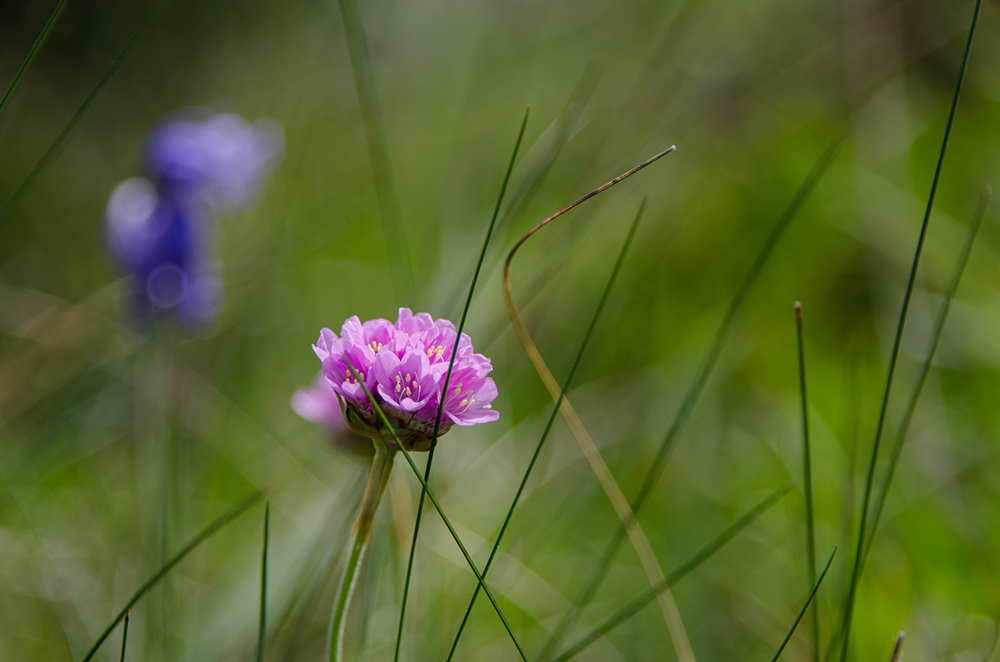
pixel 751 92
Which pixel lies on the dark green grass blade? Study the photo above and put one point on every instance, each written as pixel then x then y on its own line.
pixel 565 126
pixel 788 636
pixel 95 92
pixel 378 150
pixel 942 317
pixel 807 480
pixel 656 465
pixel 34 49
pixel 538 167
pixel 700 557
pixel 262 629
pixel 870 476
pixel 205 534
pixel 552 417
pixel 413 552
pixel 124 637
pixel 437 506
pixel 451 365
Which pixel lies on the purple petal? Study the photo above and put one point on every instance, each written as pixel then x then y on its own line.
pixel 474 416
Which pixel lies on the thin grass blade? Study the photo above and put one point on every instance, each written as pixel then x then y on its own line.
pixel 262 629
pixel 655 467
pixel 552 417
pixel 437 506
pixel 205 534
pixel 897 650
pixel 451 365
pixel 802 613
pixel 897 341
pixel 378 150
pixel 124 637
pixel 579 201
pixel 34 49
pixel 807 480
pixel 942 317
pixel 53 149
pixel 671 614
pixel 700 557
pixel 539 159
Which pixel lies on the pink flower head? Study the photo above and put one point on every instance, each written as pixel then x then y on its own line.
pixel 404 367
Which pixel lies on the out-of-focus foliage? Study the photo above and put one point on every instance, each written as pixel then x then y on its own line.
pixel 118 443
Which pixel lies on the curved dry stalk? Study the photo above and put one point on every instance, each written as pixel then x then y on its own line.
pixel 671 615
pixel 600 189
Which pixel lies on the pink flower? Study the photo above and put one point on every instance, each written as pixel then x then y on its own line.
pixel 470 393
pixel 404 366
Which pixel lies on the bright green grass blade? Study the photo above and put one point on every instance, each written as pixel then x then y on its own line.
pixel 34 49
pixel 700 557
pixel 378 150
pixel 788 636
pixel 552 417
pixel 807 480
pixel 437 506
pixel 897 341
pixel 451 365
pixel 50 153
pixel 205 534
pixel 124 637
pixel 655 467
pixel 942 317
pixel 263 584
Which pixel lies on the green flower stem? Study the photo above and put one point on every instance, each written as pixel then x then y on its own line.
pixel 377 481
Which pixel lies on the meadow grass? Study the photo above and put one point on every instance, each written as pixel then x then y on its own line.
pixel 683 392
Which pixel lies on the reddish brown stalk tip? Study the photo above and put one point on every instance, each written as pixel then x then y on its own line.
pixel 798 313
pixel 596 191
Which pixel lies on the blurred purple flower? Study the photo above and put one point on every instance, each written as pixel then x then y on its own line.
pixel 221 159
pixel 404 367
pixel 160 229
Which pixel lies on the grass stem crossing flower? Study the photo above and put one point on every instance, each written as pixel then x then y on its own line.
pixel 404 365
